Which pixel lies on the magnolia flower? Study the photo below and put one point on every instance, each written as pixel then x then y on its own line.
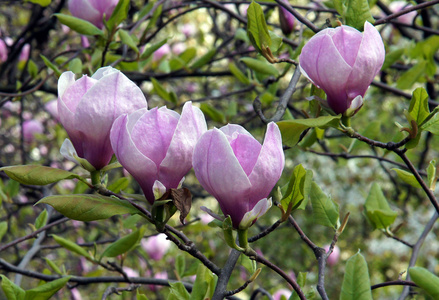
pixel 282 292
pixel 30 128
pixel 156 246
pixel 92 10
pixel 88 107
pixel 397 6
pixel 3 51
pixel 238 171
pixel 156 146
pixel 343 62
pixel 162 51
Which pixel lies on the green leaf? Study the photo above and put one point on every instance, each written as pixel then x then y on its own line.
pixel 72 247
pixel 431 176
pixel 42 3
pixel 151 49
pixel 301 281
pixel 161 91
pixel 325 210
pixel 407 177
pixel 356 282
pixel 238 74
pixel 179 291
pixel 124 244
pixel 392 57
pixel 32 68
pixel 88 207
pixel 11 290
pixel 75 65
pixel 3 229
pixel 292 129
pixel 339 6
pixel 53 266
pixel 412 75
pixel 257 29
pixel 47 290
pixel 425 280
pixel 180 265
pixel 212 113
pixel 140 296
pixel 432 123
pixel 128 40
pixel 203 60
pixel 37 175
pixel 358 12
pixel 79 25
pixel 120 184
pixel 50 65
pixel 41 219
pixel 201 284
pixel 119 14
pixel 377 209
pixel 372 131
pixel 260 66
pixel 298 188
pixel 276 42
pixel 419 105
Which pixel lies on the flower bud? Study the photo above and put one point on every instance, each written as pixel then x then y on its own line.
pixel 335 255
pixel 88 107
pixel 3 51
pixel 286 20
pixel 92 10
pixel 24 54
pixel 343 62
pixel 157 144
pixel 282 292
pixel 238 171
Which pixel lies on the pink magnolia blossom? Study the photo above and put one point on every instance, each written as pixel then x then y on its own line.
pixel 343 62
pixel 162 51
pixel 238 171
pixel 52 108
pixel 92 10
pixel 24 54
pixel 88 107
pixel 156 146
pixel 156 246
pixel 30 128
pixel 335 255
pixel 188 29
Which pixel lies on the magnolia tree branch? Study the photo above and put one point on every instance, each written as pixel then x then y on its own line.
pixel 224 275
pixel 404 11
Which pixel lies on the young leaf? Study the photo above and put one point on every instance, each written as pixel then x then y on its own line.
pixel 180 265
pixel 128 40
pixel 161 91
pixel 238 74
pixel 72 247
pixel 296 191
pixel 179 291
pixel 47 290
pixel 37 175
pixel 88 207
pixel 260 66
pixel 432 125
pixel 392 57
pixel 357 12
pixel 377 210
pixel 412 75
pixel 201 283
pixel 292 129
pixel 32 68
pixel 75 65
pixel 124 244
pixel 301 281
pixel 203 59
pixel 53 266
pixel 3 229
pixel 431 175
pixel 325 210
pixel 356 282
pixel 41 219
pixel 257 30
pixel 407 177
pixel 11 290
pixel 42 3
pixel 50 65
pixel 419 110
pixel 140 296
pixel 119 14
pixel 212 113
pixel 79 25
pixel 151 49
pixel 425 280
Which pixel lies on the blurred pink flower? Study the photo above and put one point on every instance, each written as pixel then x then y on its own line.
pixel 130 272
pixel 160 275
pixel 3 51
pixel 75 294
pixel 282 292
pixel 162 51
pixel 178 48
pixel 335 255
pixel 188 29
pixel 52 108
pixel 156 246
pixel 24 54
pixel 397 6
pixel 30 128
